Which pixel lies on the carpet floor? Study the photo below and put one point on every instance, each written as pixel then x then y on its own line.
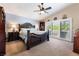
pixel 54 47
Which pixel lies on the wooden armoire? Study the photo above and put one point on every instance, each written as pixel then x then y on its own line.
pixel 2 31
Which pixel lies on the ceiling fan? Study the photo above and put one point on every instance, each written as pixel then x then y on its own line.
pixel 42 8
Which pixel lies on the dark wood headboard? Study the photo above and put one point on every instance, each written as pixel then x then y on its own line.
pixel 27 25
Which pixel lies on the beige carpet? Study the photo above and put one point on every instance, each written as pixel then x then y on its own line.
pixel 14 47
pixel 54 47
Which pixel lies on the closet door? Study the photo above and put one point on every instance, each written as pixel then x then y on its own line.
pixel 2 32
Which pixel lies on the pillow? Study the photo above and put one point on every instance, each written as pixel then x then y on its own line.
pixel 23 31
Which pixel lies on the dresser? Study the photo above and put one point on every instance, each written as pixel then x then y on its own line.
pixel 76 43
pixel 12 36
pixel 2 32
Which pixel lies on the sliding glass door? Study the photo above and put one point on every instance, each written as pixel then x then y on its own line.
pixel 60 29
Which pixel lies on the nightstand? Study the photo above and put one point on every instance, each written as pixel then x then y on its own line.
pixel 12 36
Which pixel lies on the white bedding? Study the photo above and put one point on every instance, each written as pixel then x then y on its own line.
pixel 38 32
pixel 23 33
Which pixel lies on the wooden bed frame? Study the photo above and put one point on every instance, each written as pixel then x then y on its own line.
pixel 32 38
pixel 35 39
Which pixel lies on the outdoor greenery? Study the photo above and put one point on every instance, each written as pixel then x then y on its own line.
pixel 64 26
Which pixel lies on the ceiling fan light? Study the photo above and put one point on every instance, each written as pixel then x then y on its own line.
pixel 42 11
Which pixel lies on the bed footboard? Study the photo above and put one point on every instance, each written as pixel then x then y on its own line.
pixel 35 39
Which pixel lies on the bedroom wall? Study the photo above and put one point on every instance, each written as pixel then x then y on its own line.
pixel 15 19
pixel 71 11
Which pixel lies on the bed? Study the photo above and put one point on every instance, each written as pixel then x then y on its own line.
pixel 33 38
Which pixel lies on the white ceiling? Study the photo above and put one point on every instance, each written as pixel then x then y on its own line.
pixel 27 9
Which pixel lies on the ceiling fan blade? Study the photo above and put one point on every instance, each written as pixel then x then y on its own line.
pixel 36 10
pixel 39 6
pixel 48 8
pixel 45 11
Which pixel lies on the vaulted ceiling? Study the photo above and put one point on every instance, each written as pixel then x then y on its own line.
pixel 27 9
